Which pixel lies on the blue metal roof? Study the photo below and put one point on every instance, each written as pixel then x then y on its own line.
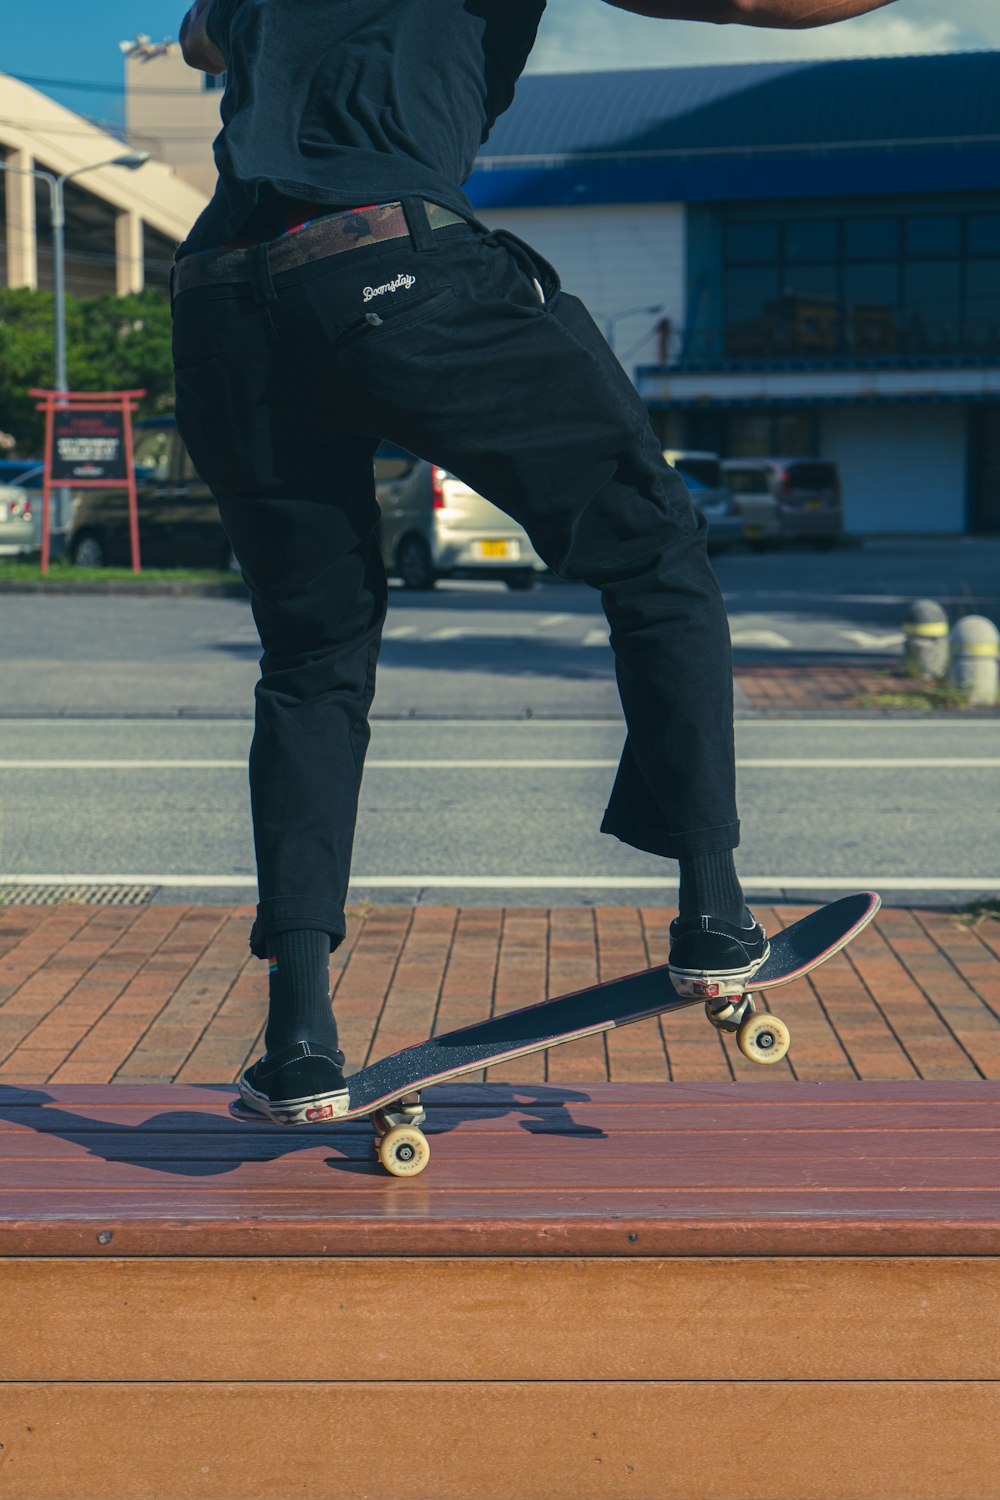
pixel 666 126
pixel 867 99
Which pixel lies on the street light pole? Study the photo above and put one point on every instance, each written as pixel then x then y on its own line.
pixel 631 312
pixel 132 160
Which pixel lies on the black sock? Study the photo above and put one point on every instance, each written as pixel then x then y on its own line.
pixel 710 887
pixel 299 1006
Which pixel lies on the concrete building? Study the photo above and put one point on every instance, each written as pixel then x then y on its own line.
pixel 792 258
pixel 824 239
pixel 121 227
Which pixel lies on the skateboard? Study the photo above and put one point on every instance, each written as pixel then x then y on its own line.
pixel 388 1091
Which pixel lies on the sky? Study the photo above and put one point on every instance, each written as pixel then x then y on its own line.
pixel 77 40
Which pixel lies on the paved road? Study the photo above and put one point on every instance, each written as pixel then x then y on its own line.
pixel 507 812
pixel 476 649
pixel 498 729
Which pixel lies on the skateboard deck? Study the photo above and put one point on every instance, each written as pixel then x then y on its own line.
pixel 398 1079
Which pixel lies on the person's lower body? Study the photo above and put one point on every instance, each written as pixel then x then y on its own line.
pixel 459 344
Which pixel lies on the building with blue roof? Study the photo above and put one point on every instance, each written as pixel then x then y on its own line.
pixel 789 258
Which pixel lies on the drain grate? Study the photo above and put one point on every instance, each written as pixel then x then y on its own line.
pixel 90 895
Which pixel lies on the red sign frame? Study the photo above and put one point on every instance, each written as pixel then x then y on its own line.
pixel 120 402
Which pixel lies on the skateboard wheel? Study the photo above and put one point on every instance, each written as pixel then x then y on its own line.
pixel 763 1038
pixel 404 1151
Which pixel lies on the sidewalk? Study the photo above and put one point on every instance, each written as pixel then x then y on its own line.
pixel 792 687
pixel 97 994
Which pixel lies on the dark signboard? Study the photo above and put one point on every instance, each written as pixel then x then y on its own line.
pixel 88 445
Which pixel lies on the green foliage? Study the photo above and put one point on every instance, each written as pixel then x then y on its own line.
pixel 112 344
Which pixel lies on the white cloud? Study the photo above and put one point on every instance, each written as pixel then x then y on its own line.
pixel 586 35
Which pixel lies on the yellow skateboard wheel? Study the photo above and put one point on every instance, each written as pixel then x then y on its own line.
pixel 763 1038
pixel 404 1151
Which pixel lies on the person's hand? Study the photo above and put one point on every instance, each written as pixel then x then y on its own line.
pixel 197 47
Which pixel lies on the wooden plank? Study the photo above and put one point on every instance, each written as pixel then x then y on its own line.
pixel 514 1170
pixel 548 1440
pixel 490 1140
pixel 406 1219
pixel 288 1172
pixel 664 1095
pixel 551 1113
pixel 705 1319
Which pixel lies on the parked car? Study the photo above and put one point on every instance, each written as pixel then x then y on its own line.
pixel 179 524
pixel 21 512
pixel 702 473
pixel 11 469
pixel 806 490
pixel 434 526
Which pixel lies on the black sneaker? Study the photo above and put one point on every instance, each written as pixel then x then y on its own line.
pixel 297 1086
pixel 710 958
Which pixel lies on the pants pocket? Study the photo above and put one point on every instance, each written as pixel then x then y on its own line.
pixel 544 275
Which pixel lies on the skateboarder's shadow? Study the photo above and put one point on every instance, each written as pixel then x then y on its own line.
pixel 210 1148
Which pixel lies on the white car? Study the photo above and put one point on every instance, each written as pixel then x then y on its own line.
pixel 434 526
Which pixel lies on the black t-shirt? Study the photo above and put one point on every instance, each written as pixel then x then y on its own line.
pixel 350 102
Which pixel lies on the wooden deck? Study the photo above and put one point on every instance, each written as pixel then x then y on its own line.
pixel 768 1291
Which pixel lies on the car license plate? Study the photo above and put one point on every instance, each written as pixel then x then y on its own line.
pixel 493 549
pixel 814 504
pixel 753 532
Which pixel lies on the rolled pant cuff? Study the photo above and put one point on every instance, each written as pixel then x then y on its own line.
pixel 672 845
pixel 289 913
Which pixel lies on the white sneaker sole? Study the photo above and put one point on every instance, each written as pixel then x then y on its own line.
pixel 713 984
pixel 305 1111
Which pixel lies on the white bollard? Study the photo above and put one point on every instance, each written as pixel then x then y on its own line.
pixel 926 631
pixel 975 659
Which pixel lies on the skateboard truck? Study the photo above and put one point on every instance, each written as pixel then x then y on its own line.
pixel 761 1037
pixel 400 1144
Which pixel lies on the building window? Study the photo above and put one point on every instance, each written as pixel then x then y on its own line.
pixel 906 284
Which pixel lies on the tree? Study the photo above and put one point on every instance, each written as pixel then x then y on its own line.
pixel 112 343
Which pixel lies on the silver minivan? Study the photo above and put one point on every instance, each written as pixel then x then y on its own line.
pixel 434 526
pixel 806 490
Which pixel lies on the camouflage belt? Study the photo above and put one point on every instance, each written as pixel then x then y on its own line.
pixel 324 237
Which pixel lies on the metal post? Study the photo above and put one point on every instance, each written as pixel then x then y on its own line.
pixel 59 278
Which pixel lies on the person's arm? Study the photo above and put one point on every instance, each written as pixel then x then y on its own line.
pixel 197 47
pixel 785 15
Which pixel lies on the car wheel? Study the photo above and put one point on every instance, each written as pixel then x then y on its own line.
pixel 520 578
pixel 414 563
pixel 88 552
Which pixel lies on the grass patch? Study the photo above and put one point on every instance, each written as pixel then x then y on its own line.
pixel 907 689
pixel 986 909
pixel 61 570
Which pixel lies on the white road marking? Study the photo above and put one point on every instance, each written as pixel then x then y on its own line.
pixel 753 763
pixel 596 638
pixel 396 632
pixel 759 638
pixel 450 633
pixel 537 882
pixel 873 642
pixel 547 620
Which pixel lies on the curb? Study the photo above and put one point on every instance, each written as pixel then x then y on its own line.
pixel 236 589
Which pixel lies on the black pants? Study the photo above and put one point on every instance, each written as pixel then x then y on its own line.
pixel 283 390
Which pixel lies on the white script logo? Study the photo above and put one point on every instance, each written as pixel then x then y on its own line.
pixel 390 286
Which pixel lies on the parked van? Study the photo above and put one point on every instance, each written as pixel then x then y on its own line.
pixel 434 526
pixel 807 492
pixel 702 473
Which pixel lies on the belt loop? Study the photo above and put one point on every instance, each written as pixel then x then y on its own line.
pixel 417 222
pixel 170 281
pixel 260 275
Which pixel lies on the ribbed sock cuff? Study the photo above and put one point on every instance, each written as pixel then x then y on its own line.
pixel 298 981
pixel 710 887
